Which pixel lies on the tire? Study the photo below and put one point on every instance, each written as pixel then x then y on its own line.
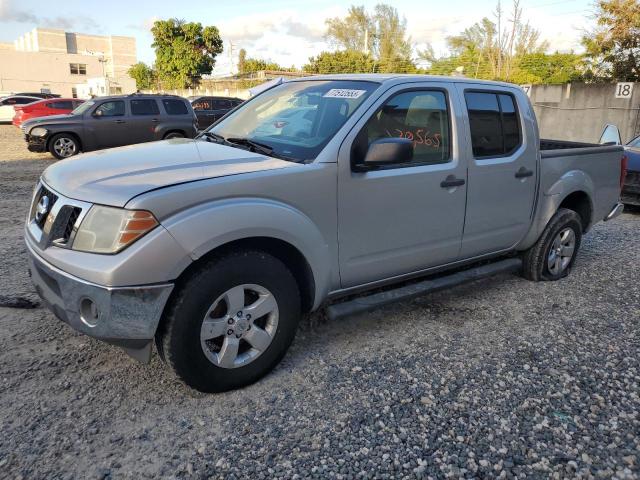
pixel 171 135
pixel 63 146
pixel 542 262
pixel 211 291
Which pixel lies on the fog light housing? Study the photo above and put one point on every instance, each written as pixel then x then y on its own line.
pixel 89 312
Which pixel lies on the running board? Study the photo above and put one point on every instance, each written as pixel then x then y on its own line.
pixel 376 300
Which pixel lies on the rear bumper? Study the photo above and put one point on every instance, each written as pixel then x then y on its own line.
pixel 124 316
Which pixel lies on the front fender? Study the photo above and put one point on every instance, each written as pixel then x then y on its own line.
pixel 201 229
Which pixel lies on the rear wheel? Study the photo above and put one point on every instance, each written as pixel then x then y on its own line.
pixel 231 322
pixel 64 145
pixel 552 256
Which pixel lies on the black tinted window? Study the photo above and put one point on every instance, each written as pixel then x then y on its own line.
pixel 146 106
pixel 420 116
pixel 110 109
pixel 202 104
pixel 66 105
pixel 219 104
pixel 175 107
pixel 495 128
pixel 24 101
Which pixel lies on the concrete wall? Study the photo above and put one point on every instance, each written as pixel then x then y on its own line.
pixel 579 112
pixel 40 59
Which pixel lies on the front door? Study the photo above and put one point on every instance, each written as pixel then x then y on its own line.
pixel 503 174
pixel 106 125
pixel 402 218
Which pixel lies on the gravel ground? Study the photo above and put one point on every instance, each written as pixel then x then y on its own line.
pixel 500 378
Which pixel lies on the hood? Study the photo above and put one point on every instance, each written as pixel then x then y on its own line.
pixel 52 119
pixel 115 176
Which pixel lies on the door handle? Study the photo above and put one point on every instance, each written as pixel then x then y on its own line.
pixel 119 121
pixel 452 182
pixel 524 173
pixel 154 120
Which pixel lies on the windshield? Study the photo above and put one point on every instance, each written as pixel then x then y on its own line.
pixel 295 119
pixel 83 107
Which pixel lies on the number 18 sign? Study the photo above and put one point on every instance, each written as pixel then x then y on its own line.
pixel 624 89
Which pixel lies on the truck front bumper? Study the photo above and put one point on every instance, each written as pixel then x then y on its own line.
pixel 124 316
pixel 36 144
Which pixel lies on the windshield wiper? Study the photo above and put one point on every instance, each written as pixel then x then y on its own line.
pixel 252 145
pixel 213 136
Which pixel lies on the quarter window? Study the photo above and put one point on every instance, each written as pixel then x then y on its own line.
pixel 421 116
pixel 110 109
pixel 494 123
pixel 144 107
pixel 175 107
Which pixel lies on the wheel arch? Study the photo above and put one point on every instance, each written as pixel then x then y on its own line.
pixel 288 254
pixel 65 132
pixel 580 202
pixel 174 130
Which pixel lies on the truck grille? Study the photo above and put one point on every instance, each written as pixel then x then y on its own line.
pixel 54 219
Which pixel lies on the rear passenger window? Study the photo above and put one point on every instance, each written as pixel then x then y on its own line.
pixel 221 104
pixel 175 107
pixel 421 116
pixel 493 119
pixel 147 106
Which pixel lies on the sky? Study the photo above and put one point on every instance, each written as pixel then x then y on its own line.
pixel 284 31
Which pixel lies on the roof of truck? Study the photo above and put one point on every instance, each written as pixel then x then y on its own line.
pixel 399 78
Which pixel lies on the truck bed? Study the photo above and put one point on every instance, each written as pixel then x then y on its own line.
pixel 556 148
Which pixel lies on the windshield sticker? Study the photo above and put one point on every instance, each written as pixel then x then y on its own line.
pixel 344 93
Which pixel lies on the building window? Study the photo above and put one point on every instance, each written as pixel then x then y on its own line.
pixel 78 68
pixel 74 92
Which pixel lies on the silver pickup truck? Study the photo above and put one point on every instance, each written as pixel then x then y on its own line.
pixel 344 192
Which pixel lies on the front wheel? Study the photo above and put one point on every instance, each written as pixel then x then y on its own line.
pixel 64 146
pixel 231 322
pixel 171 135
pixel 552 256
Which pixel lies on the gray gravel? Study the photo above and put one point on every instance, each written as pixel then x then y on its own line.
pixel 500 378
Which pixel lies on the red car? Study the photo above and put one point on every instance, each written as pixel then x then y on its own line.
pixel 44 108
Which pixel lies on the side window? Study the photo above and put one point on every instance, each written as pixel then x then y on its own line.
pixel 610 136
pixel 175 107
pixel 24 101
pixel 494 123
pixel 110 109
pixel 202 104
pixel 65 105
pixel 421 116
pixel 147 106
pixel 220 104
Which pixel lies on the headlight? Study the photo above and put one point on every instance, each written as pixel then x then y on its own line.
pixel 38 132
pixel 109 229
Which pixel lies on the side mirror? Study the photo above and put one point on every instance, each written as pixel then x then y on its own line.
pixel 388 151
pixel 97 113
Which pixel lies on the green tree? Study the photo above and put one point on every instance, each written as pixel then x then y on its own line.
pixel 184 51
pixel 242 58
pixel 380 34
pixel 144 76
pixel 340 61
pixel 613 48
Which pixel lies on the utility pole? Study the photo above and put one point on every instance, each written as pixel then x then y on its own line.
pixel 366 41
pixel 232 47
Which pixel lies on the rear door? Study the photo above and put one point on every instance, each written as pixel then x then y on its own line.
pixel 403 218
pixel 503 168
pixel 143 121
